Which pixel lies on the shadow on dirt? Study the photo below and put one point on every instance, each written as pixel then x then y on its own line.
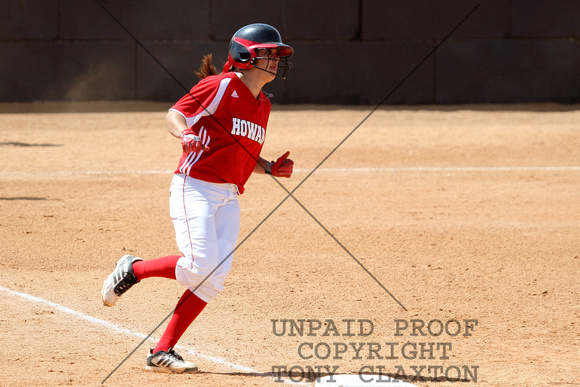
pixel 22 198
pixel 25 144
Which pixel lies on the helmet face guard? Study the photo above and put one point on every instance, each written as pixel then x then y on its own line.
pixel 256 41
pixel 283 63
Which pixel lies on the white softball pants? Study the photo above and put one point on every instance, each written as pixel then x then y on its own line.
pixel 206 218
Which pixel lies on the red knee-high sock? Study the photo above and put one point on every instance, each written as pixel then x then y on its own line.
pixel 187 309
pixel 160 267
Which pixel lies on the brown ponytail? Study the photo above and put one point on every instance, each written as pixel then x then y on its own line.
pixel 207 68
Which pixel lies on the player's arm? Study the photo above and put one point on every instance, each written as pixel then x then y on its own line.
pixel 261 166
pixel 177 126
pixel 175 123
pixel 282 167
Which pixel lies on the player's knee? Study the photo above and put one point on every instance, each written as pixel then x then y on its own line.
pixel 208 290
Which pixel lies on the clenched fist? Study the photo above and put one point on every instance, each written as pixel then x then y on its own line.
pixel 191 142
pixel 282 167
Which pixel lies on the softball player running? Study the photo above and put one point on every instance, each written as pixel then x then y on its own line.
pixel 222 126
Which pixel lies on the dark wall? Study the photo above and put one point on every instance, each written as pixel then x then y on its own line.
pixel 347 51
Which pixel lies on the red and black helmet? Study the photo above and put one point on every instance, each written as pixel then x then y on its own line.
pixel 253 42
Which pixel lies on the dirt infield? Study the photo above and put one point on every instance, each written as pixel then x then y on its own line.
pixel 461 222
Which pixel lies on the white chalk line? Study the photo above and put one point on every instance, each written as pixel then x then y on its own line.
pixel 118 329
pixel 444 169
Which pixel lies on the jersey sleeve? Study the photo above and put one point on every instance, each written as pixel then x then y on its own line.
pixel 202 100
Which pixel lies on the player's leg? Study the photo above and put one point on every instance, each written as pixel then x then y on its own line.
pixel 186 311
pixel 130 270
pixel 161 267
pixel 223 231
pixel 227 223
pixel 162 358
pixel 192 208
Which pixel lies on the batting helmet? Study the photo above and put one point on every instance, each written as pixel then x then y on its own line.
pixel 248 41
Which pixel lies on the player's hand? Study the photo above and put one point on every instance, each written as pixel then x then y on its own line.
pixel 282 167
pixel 191 142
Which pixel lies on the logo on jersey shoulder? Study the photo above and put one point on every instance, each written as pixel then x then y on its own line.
pixel 235 94
pixel 248 129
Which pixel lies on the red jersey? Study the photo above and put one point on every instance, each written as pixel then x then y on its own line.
pixel 227 117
